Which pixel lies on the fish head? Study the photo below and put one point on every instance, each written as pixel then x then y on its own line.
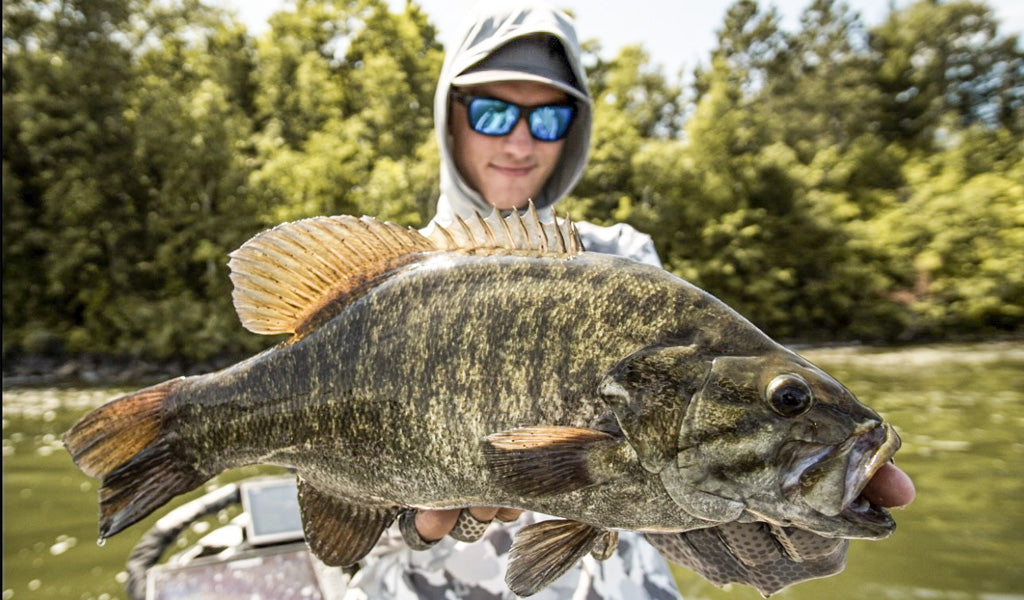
pixel 773 438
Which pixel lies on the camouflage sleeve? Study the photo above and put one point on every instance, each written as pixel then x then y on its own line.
pixel 476 570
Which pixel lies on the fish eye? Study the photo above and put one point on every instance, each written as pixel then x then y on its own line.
pixel 789 395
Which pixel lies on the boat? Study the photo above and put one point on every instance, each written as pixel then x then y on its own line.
pixel 260 553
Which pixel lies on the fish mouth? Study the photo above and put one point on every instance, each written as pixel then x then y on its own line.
pixel 831 480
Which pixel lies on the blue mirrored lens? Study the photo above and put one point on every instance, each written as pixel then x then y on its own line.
pixel 549 123
pixel 492 117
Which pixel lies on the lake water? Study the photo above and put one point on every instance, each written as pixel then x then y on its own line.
pixel 958 408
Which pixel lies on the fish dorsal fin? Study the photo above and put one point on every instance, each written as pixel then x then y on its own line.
pixel 285 276
pixel 514 232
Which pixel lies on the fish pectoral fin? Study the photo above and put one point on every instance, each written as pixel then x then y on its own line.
pixel 542 552
pixel 540 461
pixel 340 532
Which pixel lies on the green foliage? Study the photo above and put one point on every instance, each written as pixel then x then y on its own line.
pixel 935 60
pixel 791 194
pixel 959 242
pixel 346 91
pixel 837 181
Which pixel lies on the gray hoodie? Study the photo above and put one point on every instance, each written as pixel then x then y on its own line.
pixel 489 26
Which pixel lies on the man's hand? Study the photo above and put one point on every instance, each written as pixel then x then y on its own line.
pixel 433 525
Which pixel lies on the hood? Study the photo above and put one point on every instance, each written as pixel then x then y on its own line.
pixel 489 26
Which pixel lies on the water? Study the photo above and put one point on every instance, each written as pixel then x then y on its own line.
pixel 958 408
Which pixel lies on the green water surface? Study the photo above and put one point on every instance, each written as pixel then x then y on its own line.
pixel 958 408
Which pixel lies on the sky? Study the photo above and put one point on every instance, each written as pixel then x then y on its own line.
pixel 678 34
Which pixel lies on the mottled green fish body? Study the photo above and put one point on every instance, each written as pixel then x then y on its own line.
pixel 496 364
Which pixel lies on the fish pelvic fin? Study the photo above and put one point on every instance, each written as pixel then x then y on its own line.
pixel 542 552
pixel 540 461
pixel 765 557
pixel 294 277
pixel 338 531
pixel 123 444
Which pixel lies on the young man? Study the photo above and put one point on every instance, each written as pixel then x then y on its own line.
pixel 513 120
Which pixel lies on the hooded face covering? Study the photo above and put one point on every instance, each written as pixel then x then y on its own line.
pixel 517 42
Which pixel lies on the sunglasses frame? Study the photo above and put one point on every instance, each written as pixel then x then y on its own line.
pixel 524 111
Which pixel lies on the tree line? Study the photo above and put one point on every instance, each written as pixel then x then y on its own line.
pixel 836 182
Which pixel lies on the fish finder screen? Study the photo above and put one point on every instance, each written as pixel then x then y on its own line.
pixel 273 508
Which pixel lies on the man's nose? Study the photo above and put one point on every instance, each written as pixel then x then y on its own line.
pixel 519 141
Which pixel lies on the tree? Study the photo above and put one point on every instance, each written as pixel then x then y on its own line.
pixel 69 210
pixel 752 48
pixel 826 96
pixel 935 60
pixel 343 85
pixel 190 112
pixel 958 241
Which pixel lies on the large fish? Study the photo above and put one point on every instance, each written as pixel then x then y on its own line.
pixel 495 363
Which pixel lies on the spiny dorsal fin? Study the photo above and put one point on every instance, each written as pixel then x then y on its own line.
pixel 513 232
pixel 285 277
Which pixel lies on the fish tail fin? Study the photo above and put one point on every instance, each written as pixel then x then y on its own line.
pixel 123 443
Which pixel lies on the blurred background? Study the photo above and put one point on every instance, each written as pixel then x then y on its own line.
pixel 841 174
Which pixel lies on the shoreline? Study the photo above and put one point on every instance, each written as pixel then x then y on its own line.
pixel 36 370
pixel 89 370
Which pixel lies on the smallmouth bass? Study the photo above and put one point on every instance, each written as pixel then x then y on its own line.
pixel 496 363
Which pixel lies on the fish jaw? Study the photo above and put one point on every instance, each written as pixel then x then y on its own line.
pixel 830 481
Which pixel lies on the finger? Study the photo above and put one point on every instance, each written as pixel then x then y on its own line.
pixel 433 525
pixel 412 537
pixel 507 514
pixel 890 487
pixel 484 514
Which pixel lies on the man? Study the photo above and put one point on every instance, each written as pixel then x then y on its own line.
pixel 513 120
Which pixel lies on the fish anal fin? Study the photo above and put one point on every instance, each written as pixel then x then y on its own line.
pixel 285 278
pixel 340 532
pixel 542 552
pixel 540 461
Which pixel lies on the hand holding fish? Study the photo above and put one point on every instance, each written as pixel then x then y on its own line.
pixel 432 525
pixel 497 364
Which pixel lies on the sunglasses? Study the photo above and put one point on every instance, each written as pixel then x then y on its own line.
pixel 490 116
